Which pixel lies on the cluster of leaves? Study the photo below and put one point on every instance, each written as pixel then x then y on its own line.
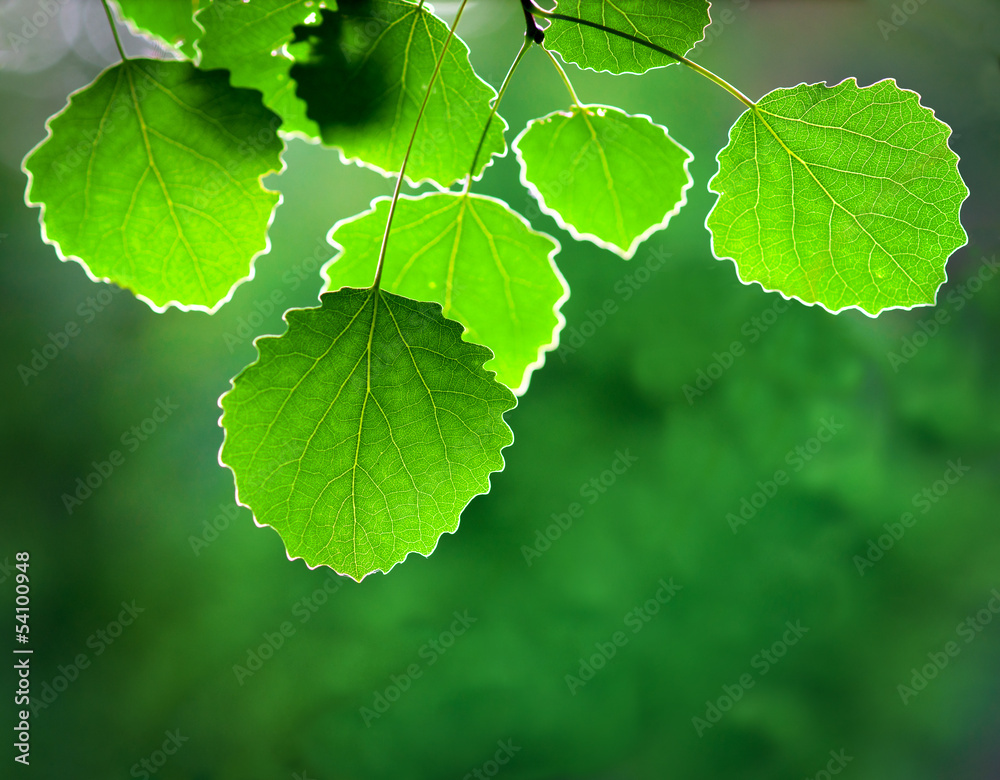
pixel 363 431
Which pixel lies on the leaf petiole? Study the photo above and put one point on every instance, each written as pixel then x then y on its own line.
pixel 114 30
pixel 650 45
pixel 565 78
pixel 493 109
pixel 413 138
pixel 533 31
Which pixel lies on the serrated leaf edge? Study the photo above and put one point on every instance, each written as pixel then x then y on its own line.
pixel 198 54
pixel 415 183
pixel 539 362
pixel 875 315
pixel 236 486
pixel 103 279
pixel 635 72
pixel 625 254
pixel 141 32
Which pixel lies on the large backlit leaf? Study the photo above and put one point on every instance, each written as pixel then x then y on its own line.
pixel 250 39
pixel 363 73
pixel 605 176
pixel 482 262
pixel 151 178
pixel 843 196
pixel 169 20
pixel 362 433
pixel 675 25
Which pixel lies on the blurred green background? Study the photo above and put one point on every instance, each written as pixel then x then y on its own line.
pixel 211 599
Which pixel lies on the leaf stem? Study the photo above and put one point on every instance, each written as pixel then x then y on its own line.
pixel 114 30
pixel 565 78
pixel 413 138
pixel 533 31
pixel 650 45
pixel 493 109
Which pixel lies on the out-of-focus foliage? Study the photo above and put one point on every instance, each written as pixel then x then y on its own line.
pixel 642 340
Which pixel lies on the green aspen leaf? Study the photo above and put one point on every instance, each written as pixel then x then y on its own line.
pixel 675 25
pixel 604 175
pixel 363 74
pixel 250 40
pixel 362 433
pixel 844 196
pixel 482 262
pixel 151 176
pixel 172 21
